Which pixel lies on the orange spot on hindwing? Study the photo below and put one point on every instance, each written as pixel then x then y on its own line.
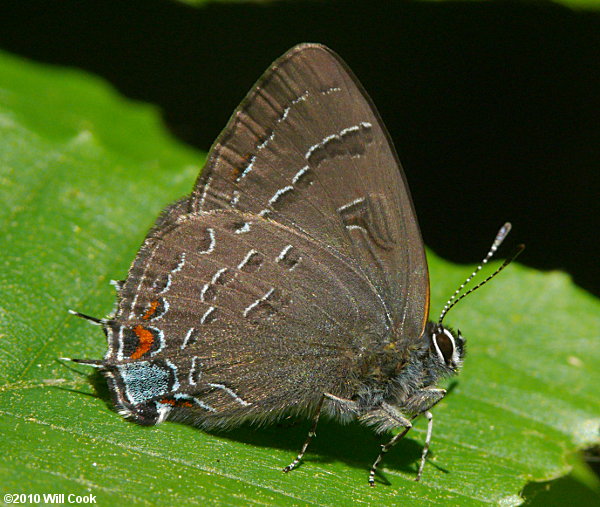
pixel 151 311
pixel 146 340
pixel 156 309
pixel 176 403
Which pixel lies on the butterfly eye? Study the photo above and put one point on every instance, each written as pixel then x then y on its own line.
pixel 444 344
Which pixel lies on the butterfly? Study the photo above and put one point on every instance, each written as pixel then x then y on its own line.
pixel 293 279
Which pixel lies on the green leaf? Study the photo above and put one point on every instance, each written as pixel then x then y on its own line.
pixel 581 487
pixel 83 174
pixel 574 4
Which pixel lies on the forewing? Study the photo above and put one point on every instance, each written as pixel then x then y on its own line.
pixel 307 148
pixel 244 314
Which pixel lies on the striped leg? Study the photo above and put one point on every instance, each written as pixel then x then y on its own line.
pixel 385 448
pixel 429 416
pixel 311 434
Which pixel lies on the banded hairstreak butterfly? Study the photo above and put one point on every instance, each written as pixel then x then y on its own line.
pixel 293 279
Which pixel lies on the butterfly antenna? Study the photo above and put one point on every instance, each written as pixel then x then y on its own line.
pixel 93 320
pixel 96 363
pixel 500 237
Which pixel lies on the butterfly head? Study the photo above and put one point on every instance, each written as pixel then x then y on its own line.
pixel 446 348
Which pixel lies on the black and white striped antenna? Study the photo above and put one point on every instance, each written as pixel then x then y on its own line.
pixel 500 237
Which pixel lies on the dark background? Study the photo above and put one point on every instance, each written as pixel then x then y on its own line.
pixel 493 107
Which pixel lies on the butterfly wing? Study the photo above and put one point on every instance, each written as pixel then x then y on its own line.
pixel 235 324
pixel 308 149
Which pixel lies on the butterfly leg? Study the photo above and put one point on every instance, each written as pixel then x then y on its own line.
pixel 311 434
pixel 420 403
pixel 429 416
pixel 384 449
pixel 390 416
